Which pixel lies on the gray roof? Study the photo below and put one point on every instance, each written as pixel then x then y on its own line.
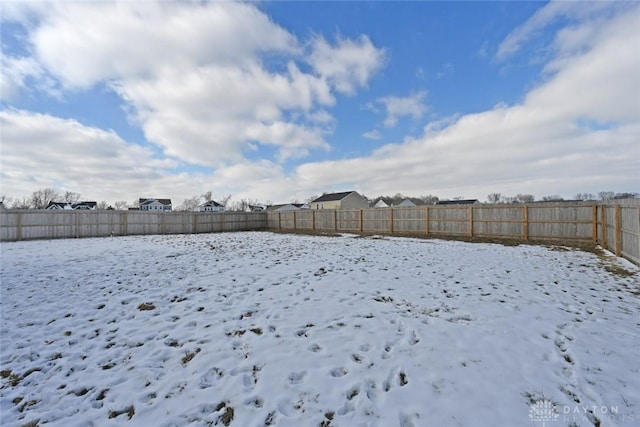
pixel 165 202
pixel 330 197
pixel 457 202
pixel 212 203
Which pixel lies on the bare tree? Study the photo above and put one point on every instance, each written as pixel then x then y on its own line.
pixel 71 196
pixel 584 196
pixel 429 199
pixel 207 196
pixel 494 198
pixel 606 195
pixel 224 200
pixel 40 199
pixel 102 205
pixel 553 198
pixel 525 198
pixel 189 204
pixel 243 205
pixel 120 205
pixel 24 203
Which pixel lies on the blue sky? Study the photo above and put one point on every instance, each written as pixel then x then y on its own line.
pixel 281 101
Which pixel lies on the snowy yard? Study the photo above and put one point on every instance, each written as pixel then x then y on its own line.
pixel 259 329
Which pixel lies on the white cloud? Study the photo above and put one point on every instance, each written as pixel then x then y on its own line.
pixel 347 66
pixel 547 15
pixel 18 74
pixel 85 43
pixel 372 134
pixel 397 107
pixel 196 76
pixel 39 151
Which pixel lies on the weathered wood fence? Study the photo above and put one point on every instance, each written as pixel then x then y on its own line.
pixel 616 228
pixel 43 224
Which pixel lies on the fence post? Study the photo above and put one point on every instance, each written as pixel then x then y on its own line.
pixel 361 218
pixel 594 224
pixel 194 223
pixel 470 221
pixel 426 220
pixel 525 222
pixel 279 220
pixel 603 226
pixel 19 226
pixel 76 214
pixel 618 230
pixel 335 219
pixel 313 220
pixel 295 226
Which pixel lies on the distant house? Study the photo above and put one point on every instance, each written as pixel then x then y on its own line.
pixel 406 203
pixel 380 204
pixel 345 200
pixel 211 206
pixel 77 206
pixel 162 205
pixel 256 208
pixel 287 207
pixel 458 202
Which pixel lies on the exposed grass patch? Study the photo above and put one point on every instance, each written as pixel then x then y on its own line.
pixel 227 415
pixel 189 356
pixel 14 379
pixel 146 306
pixel 328 418
pixel 27 404
pixel 129 410
pixel 257 331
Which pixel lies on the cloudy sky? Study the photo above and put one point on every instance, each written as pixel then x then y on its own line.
pixel 279 101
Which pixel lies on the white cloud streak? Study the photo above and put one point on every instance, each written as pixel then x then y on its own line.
pixel 347 66
pixel 397 107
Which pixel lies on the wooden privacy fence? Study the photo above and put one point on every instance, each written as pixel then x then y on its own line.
pixel 616 228
pixel 43 224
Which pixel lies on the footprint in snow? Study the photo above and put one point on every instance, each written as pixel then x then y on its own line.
pixel 315 348
pixel 211 378
pixel 297 377
pixel 338 372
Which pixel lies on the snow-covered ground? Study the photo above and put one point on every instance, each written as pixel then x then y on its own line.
pixel 258 329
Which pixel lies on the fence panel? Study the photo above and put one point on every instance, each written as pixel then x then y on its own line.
pixel 449 220
pixel 499 221
pixel 630 233
pixel 43 224
pixel 377 220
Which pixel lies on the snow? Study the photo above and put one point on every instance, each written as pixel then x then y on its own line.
pixel 255 329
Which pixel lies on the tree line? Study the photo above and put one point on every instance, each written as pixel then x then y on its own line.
pixel 41 198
